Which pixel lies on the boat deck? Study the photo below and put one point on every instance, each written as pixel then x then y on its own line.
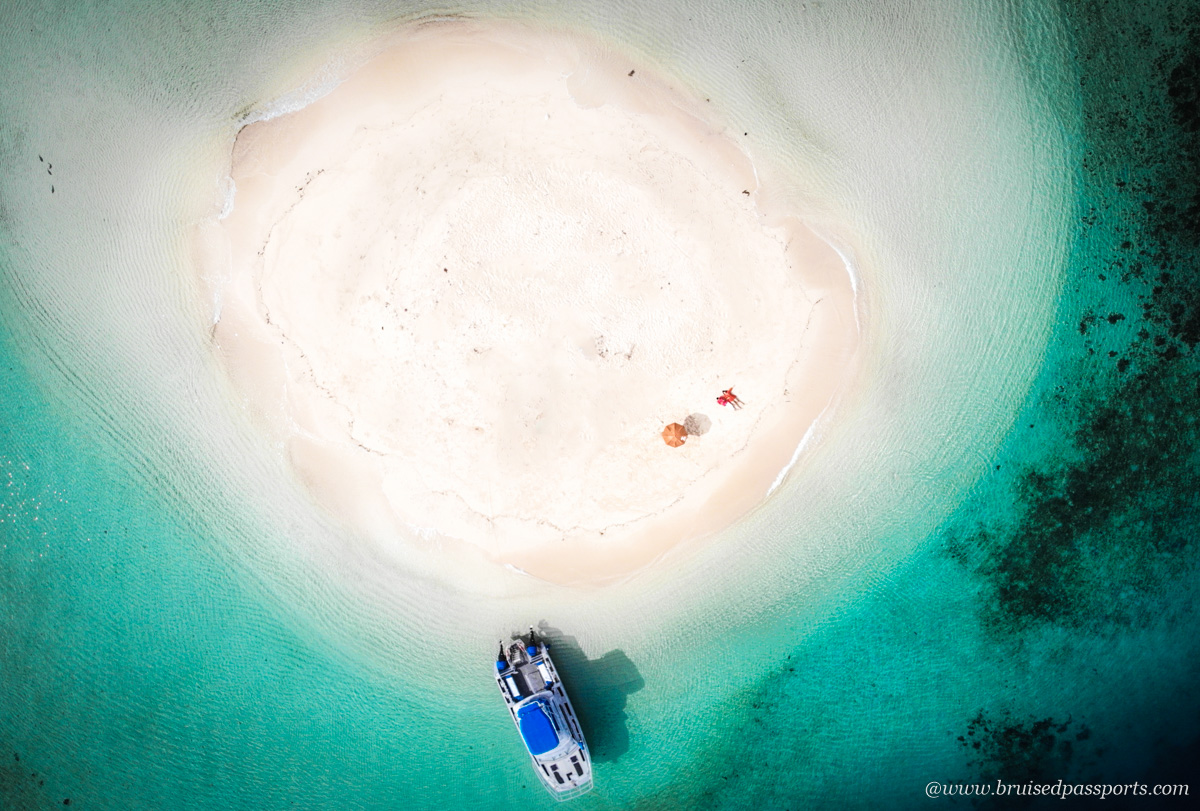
pixel 533 676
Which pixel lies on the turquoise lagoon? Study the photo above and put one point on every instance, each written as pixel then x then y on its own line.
pixel 983 566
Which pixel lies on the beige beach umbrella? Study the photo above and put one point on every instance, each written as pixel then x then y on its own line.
pixel 674 434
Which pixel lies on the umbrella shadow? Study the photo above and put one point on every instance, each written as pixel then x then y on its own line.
pixel 697 424
pixel 598 689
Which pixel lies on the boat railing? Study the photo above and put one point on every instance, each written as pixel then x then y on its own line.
pixel 571 793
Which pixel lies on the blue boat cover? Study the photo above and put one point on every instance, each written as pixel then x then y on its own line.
pixel 536 729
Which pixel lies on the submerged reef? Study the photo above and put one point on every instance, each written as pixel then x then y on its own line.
pixel 1019 750
pixel 1105 509
pixel 1087 524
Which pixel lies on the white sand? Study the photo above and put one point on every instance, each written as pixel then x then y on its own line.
pixel 468 289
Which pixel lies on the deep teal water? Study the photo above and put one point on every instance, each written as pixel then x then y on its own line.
pixel 1046 630
pixel 1064 589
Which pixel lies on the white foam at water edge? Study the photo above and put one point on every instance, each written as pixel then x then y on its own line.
pixel 852 271
pixel 324 82
pixel 425 533
pixel 847 262
pixel 227 188
pixel 804 440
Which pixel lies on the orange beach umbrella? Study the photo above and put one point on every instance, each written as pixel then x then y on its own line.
pixel 674 434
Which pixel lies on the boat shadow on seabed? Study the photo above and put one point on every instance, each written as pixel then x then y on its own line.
pixel 598 689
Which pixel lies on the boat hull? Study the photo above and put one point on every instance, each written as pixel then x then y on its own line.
pixel 540 709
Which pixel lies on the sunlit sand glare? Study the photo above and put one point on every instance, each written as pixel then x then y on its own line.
pixel 468 289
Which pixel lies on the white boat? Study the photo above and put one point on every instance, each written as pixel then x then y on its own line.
pixel 544 717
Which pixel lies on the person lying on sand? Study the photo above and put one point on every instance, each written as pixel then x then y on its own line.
pixel 729 398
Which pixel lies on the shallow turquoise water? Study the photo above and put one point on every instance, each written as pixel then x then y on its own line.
pixel 174 632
